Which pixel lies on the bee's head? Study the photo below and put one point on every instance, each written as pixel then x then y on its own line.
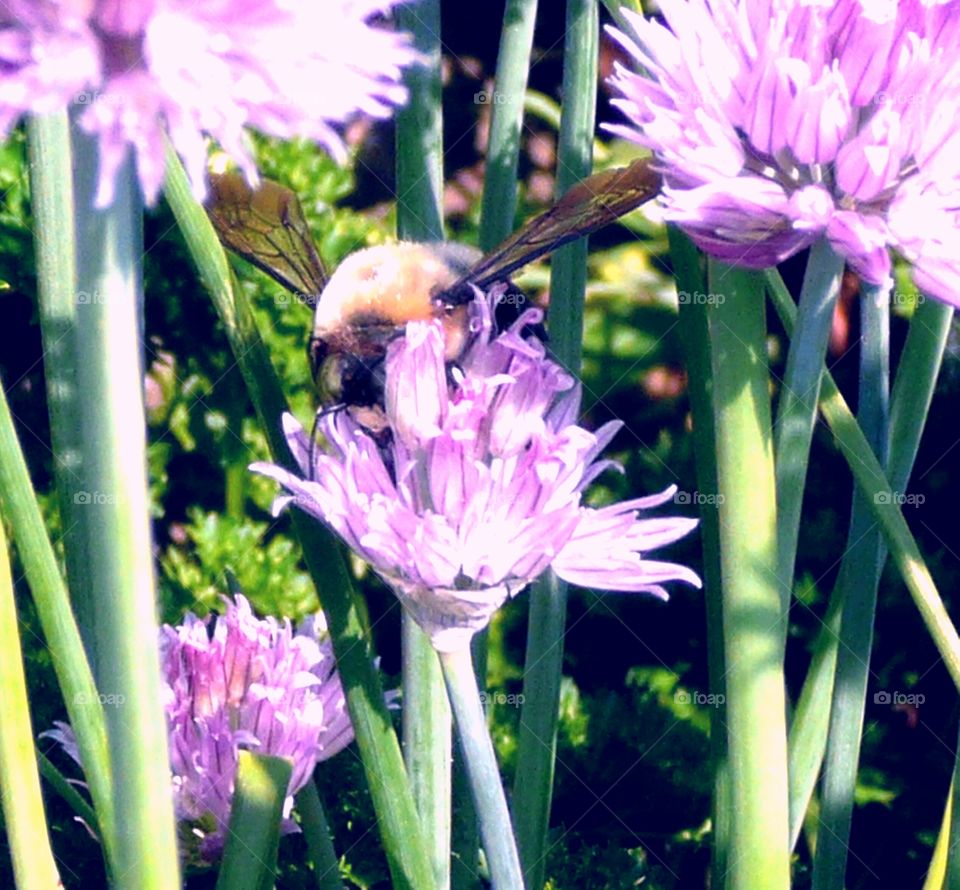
pixel 353 382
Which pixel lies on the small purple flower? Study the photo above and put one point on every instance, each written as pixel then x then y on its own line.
pixel 480 489
pixel 777 123
pixel 144 69
pixel 240 682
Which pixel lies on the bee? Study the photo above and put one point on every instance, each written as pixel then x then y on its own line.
pixel 375 291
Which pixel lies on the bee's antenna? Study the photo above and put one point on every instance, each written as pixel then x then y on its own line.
pixel 312 454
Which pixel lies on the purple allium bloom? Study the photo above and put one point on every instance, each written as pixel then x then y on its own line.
pixel 191 68
pixel 480 489
pixel 239 682
pixel 776 123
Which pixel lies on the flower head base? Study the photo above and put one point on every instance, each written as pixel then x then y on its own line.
pixel 777 123
pixel 146 68
pixel 241 682
pixel 480 489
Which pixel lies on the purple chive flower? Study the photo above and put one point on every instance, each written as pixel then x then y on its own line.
pixel 777 123
pixel 190 68
pixel 481 487
pixel 239 682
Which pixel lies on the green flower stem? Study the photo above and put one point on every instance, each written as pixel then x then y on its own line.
pixel 49 148
pixel 420 130
pixel 481 762
pixel 689 271
pixel 253 835
pixel 427 743
pixel 465 831
pixel 913 390
pixel 68 791
pixel 23 815
pixel 117 518
pixel 798 402
pixel 536 755
pixel 914 384
pixel 811 717
pixel 860 577
pixel 496 223
pixel 51 188
pixel 59 628
pixel 393 802
pixel 870 477
pixel 953 824
pixel 752 608
pixel 316 830
pixel 427 728
pixel 568 270
pixel 506 122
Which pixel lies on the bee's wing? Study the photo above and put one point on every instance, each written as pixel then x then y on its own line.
pixel 590 205
pixel 266 226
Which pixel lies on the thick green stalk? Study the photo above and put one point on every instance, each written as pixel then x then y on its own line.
pixel 253 835
pixel 912 393
pixel 51 189
pixel 872 481
pixel 914 384
pixel 568 271
pixel 420 130
pixel 393 802
pixel 481 762
pixel 316 831
pixel 496 223
pixel 752 608
pixel 427 743
pixel 59 628
pixel 427 739
pixel 506 122
pixel 860 577
pixel 23 814
pixel 798 402
pixel 117 518
pixel 936 876
pixel 953 834
pixel 689 271
pixel 533 783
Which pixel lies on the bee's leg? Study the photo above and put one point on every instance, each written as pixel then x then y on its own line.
pixel 312 452
pixel 511 304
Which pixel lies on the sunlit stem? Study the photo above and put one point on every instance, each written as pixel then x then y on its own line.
pixel 481 762
pixel 426 716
